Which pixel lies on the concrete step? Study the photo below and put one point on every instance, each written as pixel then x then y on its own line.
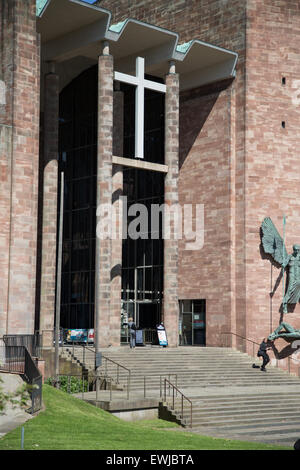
pixel 283 438
pixel 271 428
pixel 217 420
pixel 238 406
pixel 225 412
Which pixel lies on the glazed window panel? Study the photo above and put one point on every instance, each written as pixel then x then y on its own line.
pixel 78 161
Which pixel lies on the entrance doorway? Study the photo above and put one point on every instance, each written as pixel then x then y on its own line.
pixel 147 315
pixel 192 322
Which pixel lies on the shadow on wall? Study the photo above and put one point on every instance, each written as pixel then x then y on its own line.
pixel 194 115
pixel 285 352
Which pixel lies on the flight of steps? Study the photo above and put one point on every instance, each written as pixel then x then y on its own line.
pixel 230 398
pixel 270 416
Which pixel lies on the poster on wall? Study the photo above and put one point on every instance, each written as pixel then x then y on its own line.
pixel 80 336
pixel 162 335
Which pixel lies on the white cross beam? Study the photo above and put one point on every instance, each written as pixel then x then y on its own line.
pixel 140 83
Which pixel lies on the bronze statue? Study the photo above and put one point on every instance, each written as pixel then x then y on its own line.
pixel 286 331
pixel 273 244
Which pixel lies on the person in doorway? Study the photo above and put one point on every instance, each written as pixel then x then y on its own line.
pixel 132 332
pixel 262 352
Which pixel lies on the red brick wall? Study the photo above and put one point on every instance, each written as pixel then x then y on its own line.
pixel 212 157
pixel 272 153
pixel 205 179
pixel 19 129
pixel 217 21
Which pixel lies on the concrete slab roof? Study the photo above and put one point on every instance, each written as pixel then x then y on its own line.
pixel 72 31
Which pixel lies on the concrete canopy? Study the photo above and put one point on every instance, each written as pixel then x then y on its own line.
pixel 72 32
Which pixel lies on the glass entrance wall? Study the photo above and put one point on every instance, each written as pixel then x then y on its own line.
pixel 78 161
pixel 142 258
pixel 142 264
pixel 192 322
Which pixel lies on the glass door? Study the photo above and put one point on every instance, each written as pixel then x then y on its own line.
pixel 192 324
pixel 187 329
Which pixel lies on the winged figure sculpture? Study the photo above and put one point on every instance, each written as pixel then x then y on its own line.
pixel 273 244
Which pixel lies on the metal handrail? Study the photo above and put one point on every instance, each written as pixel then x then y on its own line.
pixel 257 344
pixel 31 342
pixel 254 343
pixel 12 359
pixel 34 378
pixel 161 376
pixel 106 359
pixel 18 360
pixel 85 380
pixel 183 397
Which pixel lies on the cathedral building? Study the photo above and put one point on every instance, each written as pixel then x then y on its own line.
pixel 142 144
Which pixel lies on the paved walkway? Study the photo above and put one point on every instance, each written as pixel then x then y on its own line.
pixel 13 417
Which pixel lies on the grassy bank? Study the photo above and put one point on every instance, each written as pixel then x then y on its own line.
pixel 71 424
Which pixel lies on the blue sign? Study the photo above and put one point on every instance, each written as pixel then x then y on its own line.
pixel 139 337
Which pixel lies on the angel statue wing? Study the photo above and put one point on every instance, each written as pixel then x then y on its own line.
pixel 273 242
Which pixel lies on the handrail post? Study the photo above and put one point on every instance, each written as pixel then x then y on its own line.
pixel 129 385
pixel 173 398
pixel 144 386
pixel 181 406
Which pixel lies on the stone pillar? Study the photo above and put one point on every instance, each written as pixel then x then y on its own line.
pixel 116 271
pixel 104 196
pixel 19 157
pixel 117 192
pixel 49 216
pixel 170 299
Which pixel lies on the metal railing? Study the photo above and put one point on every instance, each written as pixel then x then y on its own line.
pixel 161 379
pixel 72 383
pixel 118 367
pixel 113 376
pixel 173 392
pixel 253 343
pixel 150 336
pixel 12 359
pixel 83 383
pixel 17 360
pixel 33 377
pixel 254 351
pixel 32 343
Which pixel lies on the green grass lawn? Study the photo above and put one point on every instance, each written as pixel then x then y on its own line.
pixel 68 423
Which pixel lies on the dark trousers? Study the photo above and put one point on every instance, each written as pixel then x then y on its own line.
pixel 265 357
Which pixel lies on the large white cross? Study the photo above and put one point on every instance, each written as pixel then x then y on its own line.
pixel 140 83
